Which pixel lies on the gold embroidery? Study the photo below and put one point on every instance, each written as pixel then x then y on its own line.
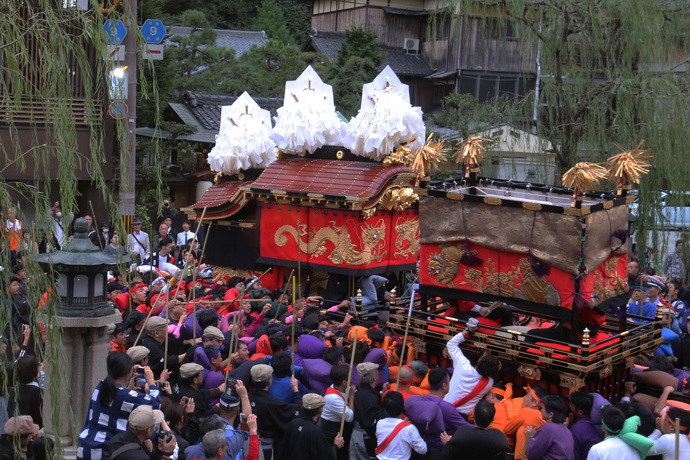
pixel 372 237
pixel 407 242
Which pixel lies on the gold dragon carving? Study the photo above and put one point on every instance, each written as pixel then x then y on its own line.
pixel 407 233
pixel 345 250
pixel 519 281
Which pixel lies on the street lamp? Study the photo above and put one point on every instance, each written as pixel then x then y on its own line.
pixel 82 275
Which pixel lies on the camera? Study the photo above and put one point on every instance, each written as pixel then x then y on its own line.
pixel 164 436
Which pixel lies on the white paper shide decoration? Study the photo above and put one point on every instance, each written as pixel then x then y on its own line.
pixel 386 119
pixel 244 140
pixel 307 119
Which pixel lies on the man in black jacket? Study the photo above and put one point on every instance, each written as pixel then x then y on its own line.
pixel 368 407
pixel 133 444
pixel 304 439
pixel 273 415
pixel 156 330
pixel 478 442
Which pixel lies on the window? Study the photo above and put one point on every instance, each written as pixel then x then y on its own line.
pixel 487 86
pixel 499 29
pixel 443 28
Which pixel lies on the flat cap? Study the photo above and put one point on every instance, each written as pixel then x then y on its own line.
pixel 155 322
pixel 213 332
pixel 21 425
pixel 229 401
pixel 367 368
pixel 136 221
pixel 313 401
pixel 138 353
pixel 261 372
pixel 190 370
pixel 143 417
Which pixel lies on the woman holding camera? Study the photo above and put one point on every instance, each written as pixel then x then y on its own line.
pixel 111 403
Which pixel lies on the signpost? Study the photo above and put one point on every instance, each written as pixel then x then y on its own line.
pixel 115 53
pixel 153 52
pixel 153 31
pixel 118 109
pixel 115 30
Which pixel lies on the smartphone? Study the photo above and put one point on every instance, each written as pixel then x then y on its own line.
pixel 231 383
pixel 243 418
pixel 140 371
pixel 185 400
pixel 140 383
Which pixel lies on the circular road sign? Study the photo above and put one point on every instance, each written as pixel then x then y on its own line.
pixel 118 109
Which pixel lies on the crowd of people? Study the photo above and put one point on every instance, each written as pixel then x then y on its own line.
pixel 212 367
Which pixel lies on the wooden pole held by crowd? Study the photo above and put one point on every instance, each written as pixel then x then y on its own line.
pixel 199 223
pixel 292 333
pixel 165 353
pixel 145 321
pixel 299 261
pixel 677 427
pixel 287 283
pixel 407 330
pixel 349 382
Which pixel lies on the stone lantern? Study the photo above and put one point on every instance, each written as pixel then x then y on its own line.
pixel 86 321
pixel 82 275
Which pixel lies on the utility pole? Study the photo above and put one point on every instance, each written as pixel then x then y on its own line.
pixel 128 159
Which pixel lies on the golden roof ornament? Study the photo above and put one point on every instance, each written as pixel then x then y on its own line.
pixel 583 178
pixel 627 166
pixel 428 155
pixel 401 156
pixel 471 152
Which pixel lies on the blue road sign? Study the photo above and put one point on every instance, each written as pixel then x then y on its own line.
pixel 153 31
pixel 115 30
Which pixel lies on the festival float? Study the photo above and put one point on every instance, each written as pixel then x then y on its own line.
pixel 554 253
pixel 355 199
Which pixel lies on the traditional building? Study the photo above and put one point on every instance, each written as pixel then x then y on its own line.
pixel 471 53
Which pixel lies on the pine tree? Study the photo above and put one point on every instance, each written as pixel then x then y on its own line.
pixel 270 19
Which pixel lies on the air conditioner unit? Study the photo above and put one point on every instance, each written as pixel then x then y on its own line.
pixel 411 45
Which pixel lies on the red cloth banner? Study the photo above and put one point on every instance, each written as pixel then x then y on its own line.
pixel 507 275
pixel 339 239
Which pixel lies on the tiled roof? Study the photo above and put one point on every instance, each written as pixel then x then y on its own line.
pixel 207 108
pixel 239 40
pixel 221 200
pixel 327 177
pixel 403 64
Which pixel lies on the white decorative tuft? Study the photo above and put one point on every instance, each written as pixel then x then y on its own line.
pixel 244 139
pixel 307 119
pixel 386 119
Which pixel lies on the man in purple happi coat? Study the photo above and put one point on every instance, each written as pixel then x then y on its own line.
pixel 431 414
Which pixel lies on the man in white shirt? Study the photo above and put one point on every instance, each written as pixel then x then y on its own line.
pixel 333 409
pixel 395 438
pixel 664 436
pixel 618 443
pixel 185 234
pixel 468 384
pixel 138 244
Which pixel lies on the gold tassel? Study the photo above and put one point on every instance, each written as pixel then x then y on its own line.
pixel 427 156
pixel 471 152
pixel 627 167
pixel 583 177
